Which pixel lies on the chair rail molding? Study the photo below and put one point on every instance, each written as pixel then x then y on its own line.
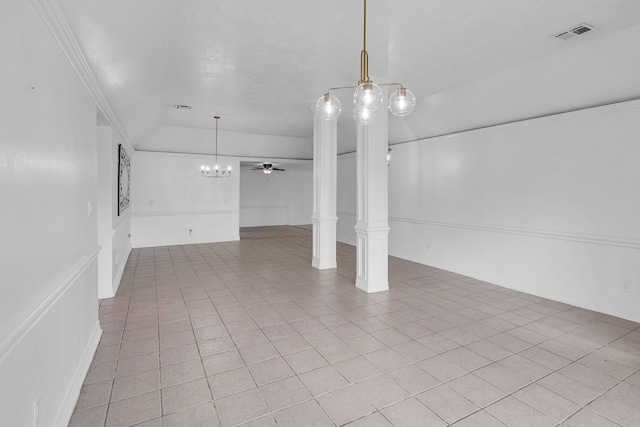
pixel 18 329
pixel 146 214
pixel 594 239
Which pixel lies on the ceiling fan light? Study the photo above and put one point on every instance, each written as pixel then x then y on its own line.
pixel 328 107
pixel 267 171
pixel 364 115
pixel 402 102
pixel 367 95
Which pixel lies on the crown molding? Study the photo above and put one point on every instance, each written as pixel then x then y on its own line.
pixel 53 17
pixel 598 110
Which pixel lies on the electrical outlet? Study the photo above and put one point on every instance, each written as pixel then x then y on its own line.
pixel 626 285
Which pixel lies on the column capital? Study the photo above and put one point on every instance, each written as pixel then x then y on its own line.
pixel 324 220
pixel 371 230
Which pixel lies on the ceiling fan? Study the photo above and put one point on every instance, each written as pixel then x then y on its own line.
pixel 267 168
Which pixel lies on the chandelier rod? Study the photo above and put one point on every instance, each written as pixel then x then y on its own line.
pixel 364 56
pixel 368 95
pixel 217 118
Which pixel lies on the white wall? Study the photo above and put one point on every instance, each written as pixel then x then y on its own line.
pixel 169 197
pixel 547 206
pixel 346 199
pixel 113 229
pixel 49 326
pixel 300 190
pixel 282 198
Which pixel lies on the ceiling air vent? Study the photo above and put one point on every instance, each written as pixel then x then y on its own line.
pixel 576 31
pixel 182 107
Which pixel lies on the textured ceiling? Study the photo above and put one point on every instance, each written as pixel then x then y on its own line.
pixel 262 64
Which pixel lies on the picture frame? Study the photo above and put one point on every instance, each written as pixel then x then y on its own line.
pixel 124 179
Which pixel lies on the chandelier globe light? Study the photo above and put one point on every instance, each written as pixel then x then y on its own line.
pixel 215 171
pixel 328 107
pixel 402 102
pixel 367 96
pixel 364 115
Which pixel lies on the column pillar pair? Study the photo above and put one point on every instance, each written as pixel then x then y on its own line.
pixel 372 229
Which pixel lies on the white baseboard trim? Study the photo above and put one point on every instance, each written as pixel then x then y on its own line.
pixel 20 327
pixel 166 242
pixel 69 402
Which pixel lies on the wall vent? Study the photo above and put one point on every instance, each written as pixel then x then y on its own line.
pixel 182 107
pixel 575 31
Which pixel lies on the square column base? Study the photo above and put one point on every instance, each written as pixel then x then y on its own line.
pixel 324 243
pixel 372 259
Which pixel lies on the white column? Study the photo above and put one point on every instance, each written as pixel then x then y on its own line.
pixel 372 227
pixel 325 160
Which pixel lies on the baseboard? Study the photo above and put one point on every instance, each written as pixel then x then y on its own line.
pixel 64 415
pixel 142 243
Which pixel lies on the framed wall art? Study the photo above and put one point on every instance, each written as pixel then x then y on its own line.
pixel 124 179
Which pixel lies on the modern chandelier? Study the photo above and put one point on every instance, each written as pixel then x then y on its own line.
pixel 367 95
pixel 215 171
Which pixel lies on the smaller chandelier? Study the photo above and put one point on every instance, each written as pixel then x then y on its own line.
pixel 367 96
pixel 215 171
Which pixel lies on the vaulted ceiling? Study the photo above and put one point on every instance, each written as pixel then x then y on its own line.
pixel 262 64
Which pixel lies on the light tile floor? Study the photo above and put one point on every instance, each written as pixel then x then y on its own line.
pixel 248 332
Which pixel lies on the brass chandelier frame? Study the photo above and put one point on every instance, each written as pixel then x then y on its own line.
pixel 365 81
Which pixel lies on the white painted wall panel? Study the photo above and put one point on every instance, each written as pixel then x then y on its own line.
pixel 346 199
pixel 300 195
pixel 548 206
pixel 170 197
pixel 282 198
pixel 263 199
pixel 48 298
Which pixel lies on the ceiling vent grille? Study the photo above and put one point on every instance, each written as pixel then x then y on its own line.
pixel 574 32
pixel 182 107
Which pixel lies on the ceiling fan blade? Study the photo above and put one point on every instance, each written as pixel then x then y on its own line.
pixel 277 169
